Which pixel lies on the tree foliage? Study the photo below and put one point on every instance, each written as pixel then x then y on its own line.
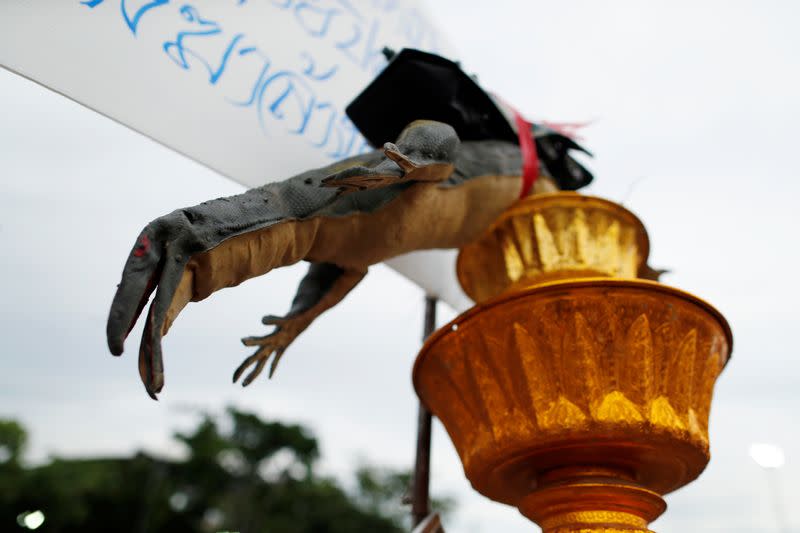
pixel 252 476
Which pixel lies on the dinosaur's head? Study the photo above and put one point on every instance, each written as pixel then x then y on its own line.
pixel 419 85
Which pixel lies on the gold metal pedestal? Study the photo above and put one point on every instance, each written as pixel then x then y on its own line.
pixel 580 401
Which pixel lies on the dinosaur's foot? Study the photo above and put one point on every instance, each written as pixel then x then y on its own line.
pixel 426 153
pixel 273 345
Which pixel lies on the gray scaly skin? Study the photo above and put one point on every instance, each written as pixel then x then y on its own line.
pixel 360 186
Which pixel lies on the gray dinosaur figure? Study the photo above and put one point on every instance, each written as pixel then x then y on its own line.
pixel 427 190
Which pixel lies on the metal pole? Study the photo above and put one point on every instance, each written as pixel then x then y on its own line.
pixel 420 506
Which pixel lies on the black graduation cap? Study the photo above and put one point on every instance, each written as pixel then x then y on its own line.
pixel 417 85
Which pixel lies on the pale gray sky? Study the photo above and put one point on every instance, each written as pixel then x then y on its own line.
pixel 695 111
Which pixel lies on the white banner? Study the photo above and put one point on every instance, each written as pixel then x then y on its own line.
pixel 254 89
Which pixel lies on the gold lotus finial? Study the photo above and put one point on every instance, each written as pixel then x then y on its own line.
pixel 573 390
pixel 553 236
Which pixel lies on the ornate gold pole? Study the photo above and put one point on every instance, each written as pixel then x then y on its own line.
pixel 574 390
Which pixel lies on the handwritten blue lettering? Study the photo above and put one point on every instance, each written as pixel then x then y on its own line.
pixel 133 20
pixel 289 95
pixel 310 69
pixel 178 52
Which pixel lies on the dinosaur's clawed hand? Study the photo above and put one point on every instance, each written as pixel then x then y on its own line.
pixel 427 154
pixel 286 331
pixel 361 178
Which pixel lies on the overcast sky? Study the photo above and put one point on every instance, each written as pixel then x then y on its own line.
pixel 695 112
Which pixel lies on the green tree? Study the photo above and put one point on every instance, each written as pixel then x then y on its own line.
pixel 252 477
pixel 12 446
pixel 12 442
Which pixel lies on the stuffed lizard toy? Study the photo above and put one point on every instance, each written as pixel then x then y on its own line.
pixel 454 165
